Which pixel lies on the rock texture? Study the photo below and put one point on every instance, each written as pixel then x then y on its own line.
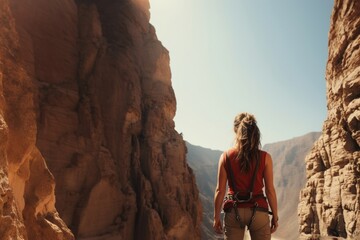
pixel 330 202
pixel 86 85
pixel 27 200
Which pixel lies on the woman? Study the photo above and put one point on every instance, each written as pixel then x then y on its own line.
pixel 245 168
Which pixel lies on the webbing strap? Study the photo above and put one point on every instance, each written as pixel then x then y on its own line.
pixel 232 180
pixel 227 164
pixel 253 214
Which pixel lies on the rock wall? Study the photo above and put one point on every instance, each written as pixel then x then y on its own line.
pixel 330 202
pixel 27 200
pixel 86 88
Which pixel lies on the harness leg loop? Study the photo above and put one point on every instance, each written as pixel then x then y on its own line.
pixel 253 214
pixel 236 212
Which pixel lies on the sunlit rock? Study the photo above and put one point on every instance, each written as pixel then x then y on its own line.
pixel 86 94
pixel 330 202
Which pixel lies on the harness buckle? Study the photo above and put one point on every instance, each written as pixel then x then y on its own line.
pixel 242 199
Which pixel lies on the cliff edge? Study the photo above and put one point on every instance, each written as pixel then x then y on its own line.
pixel 86 102
pixel 330 202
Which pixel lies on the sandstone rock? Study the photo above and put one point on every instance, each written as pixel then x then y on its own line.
pixel 330 202
pixel 90 92
pixel 27 199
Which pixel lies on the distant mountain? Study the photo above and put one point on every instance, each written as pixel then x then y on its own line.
pixel 204 162
pixel 289 177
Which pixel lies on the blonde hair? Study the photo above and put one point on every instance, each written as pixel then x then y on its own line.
pixel 247 140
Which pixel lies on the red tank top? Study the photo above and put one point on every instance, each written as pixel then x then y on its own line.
pixel 243 180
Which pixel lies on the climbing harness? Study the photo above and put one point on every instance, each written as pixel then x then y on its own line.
pixel 233 200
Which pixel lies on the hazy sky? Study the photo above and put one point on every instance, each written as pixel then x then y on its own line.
pixel 259 56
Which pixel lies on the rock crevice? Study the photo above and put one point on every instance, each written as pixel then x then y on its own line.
pixel 86 95
pixel 329 203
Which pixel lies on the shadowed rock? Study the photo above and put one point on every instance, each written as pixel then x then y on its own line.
pixel 86 88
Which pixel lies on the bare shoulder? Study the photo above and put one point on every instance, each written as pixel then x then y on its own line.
pixel 222 159
pixel 268 159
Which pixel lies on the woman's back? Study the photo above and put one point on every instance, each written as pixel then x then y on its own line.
pixel 245 204
pixel 243 180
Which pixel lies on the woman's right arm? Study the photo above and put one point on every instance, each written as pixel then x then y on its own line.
pixel 270 191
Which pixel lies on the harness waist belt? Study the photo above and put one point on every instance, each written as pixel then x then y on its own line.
pixel 257 196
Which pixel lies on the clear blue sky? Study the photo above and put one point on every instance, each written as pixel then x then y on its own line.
pixel 259 56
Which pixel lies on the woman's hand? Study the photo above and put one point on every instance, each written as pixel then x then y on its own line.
pixel 274 224
pixel 217 226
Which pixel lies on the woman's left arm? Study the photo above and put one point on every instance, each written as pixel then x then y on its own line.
pixel 219 194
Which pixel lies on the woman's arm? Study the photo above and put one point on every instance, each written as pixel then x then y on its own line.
pixel 270 191
pixel 219 194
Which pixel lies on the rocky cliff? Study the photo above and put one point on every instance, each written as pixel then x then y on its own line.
pixel 86 93
pixel 330 202
pixel 27 200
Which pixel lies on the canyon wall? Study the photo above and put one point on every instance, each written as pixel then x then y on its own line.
pixel 27 200
pixel 330 202
pixel 87 103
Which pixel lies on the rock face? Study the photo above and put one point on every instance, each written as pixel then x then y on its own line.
pixel 330 202
pixel 86 93
pixel 27 200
